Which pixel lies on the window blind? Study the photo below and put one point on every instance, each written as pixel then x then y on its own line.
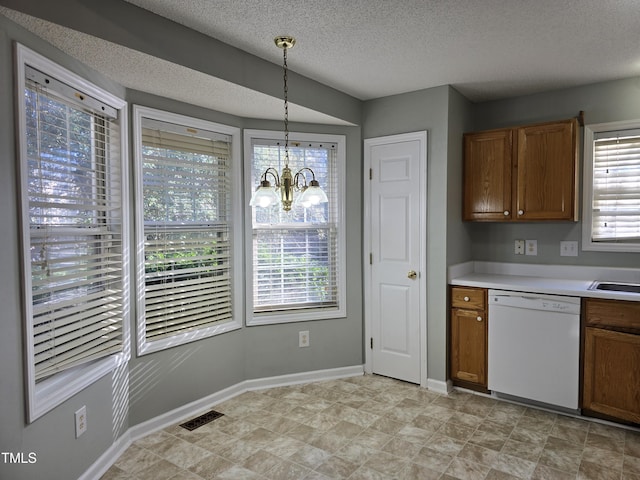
pixel 186 181
pixel 616 186
pixel 74 190
pixel 295 254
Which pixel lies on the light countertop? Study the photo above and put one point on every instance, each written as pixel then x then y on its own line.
pixel 544 279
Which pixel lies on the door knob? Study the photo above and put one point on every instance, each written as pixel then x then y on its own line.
pixel 412 274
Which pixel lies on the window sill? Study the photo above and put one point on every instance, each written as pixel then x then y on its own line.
pixel 50 393
pixel 610 247
pixel 292 316
pixel 145 347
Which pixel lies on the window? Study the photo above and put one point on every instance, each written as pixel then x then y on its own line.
pixel 612 187
pixel 74 235
pixel 296 259
pixel 185 172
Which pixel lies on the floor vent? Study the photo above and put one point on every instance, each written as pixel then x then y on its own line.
pixel 201 420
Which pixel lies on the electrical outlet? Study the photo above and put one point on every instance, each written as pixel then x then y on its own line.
pixel 531 247
pixel 81 421
pixel 519 247
pixel 569 249
pixel 303 338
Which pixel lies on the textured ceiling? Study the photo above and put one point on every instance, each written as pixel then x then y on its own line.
pixel 486 49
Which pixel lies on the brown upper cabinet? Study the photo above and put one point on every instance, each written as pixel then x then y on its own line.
pixel 526 173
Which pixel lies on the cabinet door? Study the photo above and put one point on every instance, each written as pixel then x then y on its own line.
pixel 469 346
pixel 487 175
pixel 547 171
pixel 612 374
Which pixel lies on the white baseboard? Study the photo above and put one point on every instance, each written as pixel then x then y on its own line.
pixel 439 386
pixel 100 466
pixel 184 412
pixel 108 458
pixel 304 377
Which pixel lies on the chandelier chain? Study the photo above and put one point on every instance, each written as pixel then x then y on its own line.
pixel 286 182
pixel 286 109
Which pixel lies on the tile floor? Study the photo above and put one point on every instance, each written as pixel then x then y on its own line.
pixel 376 428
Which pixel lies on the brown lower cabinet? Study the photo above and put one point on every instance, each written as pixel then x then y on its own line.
pixel 610 358
pixel 468 349
pixel 611 361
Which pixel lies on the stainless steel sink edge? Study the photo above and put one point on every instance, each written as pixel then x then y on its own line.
pixel 615 286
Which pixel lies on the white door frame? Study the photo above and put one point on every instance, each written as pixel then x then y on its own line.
pixel 421 136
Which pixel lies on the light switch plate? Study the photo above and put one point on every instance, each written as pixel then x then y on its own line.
pixel 569 249
pixel 519 247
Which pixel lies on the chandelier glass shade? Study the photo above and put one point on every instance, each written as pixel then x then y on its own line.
pixel 286 183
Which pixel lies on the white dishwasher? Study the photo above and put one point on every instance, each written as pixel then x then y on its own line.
pixel 534 347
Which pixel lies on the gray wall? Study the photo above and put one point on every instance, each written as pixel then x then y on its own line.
pixel 160 382
pixel 183 374
pixel 51 437
pixel 458 239
pixel 273 350
pixel 602 102
pixel 416 111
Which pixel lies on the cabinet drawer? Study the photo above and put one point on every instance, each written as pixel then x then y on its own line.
pixel 469 297
pixel 615 314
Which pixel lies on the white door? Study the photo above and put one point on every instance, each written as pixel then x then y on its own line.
pixel 395 289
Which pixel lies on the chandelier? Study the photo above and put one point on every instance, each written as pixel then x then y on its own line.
pixel 286 182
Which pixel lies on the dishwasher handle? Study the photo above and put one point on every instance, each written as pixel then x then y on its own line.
pixel 532 301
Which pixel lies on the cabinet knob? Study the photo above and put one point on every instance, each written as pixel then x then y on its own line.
pixel 520 212
pixel 479 318
pixel 506 213
pixel 466 299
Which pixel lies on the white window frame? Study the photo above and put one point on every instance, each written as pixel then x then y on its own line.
pixel 301 314
pixel 587 215
pixel 143 346
pixel 51 392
